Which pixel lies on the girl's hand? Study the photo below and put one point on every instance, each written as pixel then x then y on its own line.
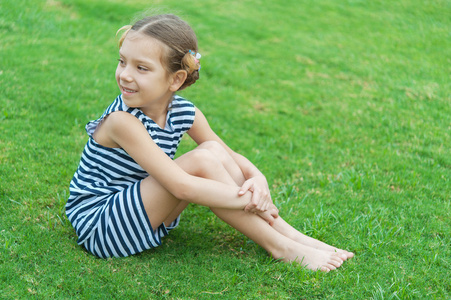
pixel 269 215
pixel 261 197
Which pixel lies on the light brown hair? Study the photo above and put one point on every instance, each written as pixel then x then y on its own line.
pixel 179 38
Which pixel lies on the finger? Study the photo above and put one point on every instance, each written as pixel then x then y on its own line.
pixel 271 222
pixel 260 199
pixel 250 207
pixel 267 204
pixel 256 199
pixel 245 187
pixel 263 204
pixel 268 218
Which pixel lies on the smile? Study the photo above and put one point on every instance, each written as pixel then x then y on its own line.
pixel 128 90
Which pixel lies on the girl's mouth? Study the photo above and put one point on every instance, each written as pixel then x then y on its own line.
pixel 128 90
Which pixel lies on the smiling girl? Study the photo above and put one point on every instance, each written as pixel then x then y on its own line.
pixel 128 191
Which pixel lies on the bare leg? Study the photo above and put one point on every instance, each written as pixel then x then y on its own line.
pixel 279 224
pixel 227 161
pixel 161 206
pixel 286 229
pixel 277 244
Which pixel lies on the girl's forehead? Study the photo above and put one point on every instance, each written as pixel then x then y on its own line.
pixel 140 43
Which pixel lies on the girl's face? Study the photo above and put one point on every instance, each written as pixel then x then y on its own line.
pixel 140 75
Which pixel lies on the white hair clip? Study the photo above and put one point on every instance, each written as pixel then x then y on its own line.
pixel 197 56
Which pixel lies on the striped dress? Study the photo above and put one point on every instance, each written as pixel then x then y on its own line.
pixel 105 205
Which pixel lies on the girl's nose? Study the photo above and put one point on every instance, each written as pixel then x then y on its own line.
pixel 125 75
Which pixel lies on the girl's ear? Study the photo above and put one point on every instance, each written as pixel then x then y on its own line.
pixel 177 79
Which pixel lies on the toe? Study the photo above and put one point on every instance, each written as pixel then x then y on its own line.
pixel 343 256
pixel 325 269
pixel 331 267
pixel 338 257
pixel 336 261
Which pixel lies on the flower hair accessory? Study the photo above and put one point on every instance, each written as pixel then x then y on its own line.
pixel 196 57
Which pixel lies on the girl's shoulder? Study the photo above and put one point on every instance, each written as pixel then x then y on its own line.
pixel 181 113
pixel 181 103
pixel 117 105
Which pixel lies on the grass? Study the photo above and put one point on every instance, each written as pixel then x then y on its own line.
pixel 345 105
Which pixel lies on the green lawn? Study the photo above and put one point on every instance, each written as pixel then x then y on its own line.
pixel 344 105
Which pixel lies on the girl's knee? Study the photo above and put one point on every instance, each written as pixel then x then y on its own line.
pixel 202 155
pixel 210 145
pixel 201 161
pixel 216 148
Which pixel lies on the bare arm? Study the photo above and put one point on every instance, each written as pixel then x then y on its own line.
pixel 121 129
pixel 201 132
pixel 255 181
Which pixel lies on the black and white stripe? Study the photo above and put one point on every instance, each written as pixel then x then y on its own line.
pixel 105 205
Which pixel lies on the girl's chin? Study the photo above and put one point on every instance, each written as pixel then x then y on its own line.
pixel 129 102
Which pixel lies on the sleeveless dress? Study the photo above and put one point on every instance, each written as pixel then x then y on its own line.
pixel 105 205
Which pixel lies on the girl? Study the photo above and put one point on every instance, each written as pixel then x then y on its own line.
pixel 128 192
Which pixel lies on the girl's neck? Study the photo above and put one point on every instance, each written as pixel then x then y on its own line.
pixel 158 113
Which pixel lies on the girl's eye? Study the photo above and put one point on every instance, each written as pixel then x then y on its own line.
pixel 141 68
pixel 121 61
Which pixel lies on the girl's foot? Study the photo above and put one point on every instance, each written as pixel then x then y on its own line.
pixel 313 259
pixel 311 242
pixel 316 244
pixel 283 227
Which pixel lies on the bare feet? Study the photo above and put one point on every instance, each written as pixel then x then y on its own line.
pixel 316 244
pixel 311 258
pixel 290 232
